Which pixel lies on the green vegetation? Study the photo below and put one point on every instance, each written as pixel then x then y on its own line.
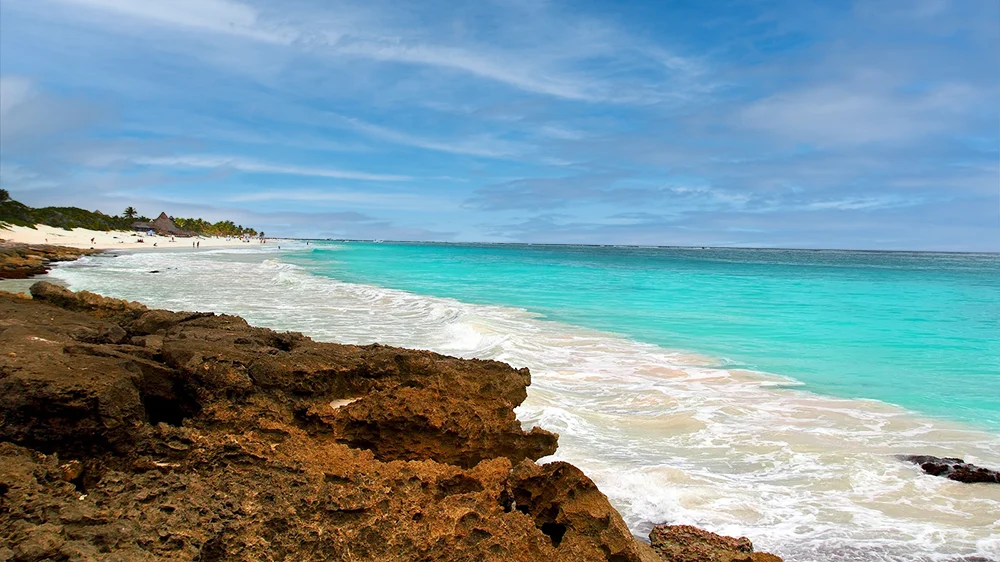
pixel 15 213
pixel 221 228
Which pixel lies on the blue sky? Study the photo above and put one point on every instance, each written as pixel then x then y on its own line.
pixel 869 124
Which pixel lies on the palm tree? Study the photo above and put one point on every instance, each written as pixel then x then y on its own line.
pixel 4 196
pixel 130 213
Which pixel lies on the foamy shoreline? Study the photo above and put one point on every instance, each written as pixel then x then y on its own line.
pixel 113 240
pixel 666 437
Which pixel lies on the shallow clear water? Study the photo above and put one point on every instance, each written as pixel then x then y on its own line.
pixel 916 329
pixel 666 372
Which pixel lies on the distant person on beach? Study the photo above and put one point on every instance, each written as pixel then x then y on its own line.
pixel 199 243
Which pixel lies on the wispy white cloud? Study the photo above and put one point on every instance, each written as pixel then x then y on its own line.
pixel 476 146
pixel 562 132
pixel 735 199
pixel 214 16
pixel 484 65
pixel 861 203
pixel 14 91
pixel 28 115
pixel 555 62
pixel 258 167
pixel 855 113
pixel 15 178
pixel 384 200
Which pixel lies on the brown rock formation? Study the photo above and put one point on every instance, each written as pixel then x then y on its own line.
pixel 683 543
pixel 568 507
pixel 136 434
pixel 23 261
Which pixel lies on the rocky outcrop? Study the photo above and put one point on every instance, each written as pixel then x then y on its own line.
pixel 23 261
pixel 135 434
pixel 953 469
pixel 567 507
pixel 683 543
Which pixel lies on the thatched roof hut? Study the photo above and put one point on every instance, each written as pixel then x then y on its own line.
pixel 163 226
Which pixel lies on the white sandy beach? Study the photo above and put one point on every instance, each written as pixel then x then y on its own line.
pixel 110 240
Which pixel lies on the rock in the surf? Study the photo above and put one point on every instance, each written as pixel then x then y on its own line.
pixel 953 469
pixel 23 261
pixel 684 543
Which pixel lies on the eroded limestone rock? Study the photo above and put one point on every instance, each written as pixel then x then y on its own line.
pixel 23 261
pixel 133 434
pixel 684 543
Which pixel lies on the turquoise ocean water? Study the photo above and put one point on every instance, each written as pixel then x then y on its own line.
pixel 919 330
pixel 763 393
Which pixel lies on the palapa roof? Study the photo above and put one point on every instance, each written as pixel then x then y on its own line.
pixel 162 225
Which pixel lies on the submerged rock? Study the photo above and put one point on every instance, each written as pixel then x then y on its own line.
pixel 953 469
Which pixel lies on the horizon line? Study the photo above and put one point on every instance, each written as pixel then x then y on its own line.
pixel 675 247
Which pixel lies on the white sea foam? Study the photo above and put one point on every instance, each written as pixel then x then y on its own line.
pixel 667 437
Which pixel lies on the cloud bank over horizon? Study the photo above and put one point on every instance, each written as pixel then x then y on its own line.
pixel 870 125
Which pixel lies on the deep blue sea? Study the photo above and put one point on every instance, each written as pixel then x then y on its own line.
pixel 762 393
